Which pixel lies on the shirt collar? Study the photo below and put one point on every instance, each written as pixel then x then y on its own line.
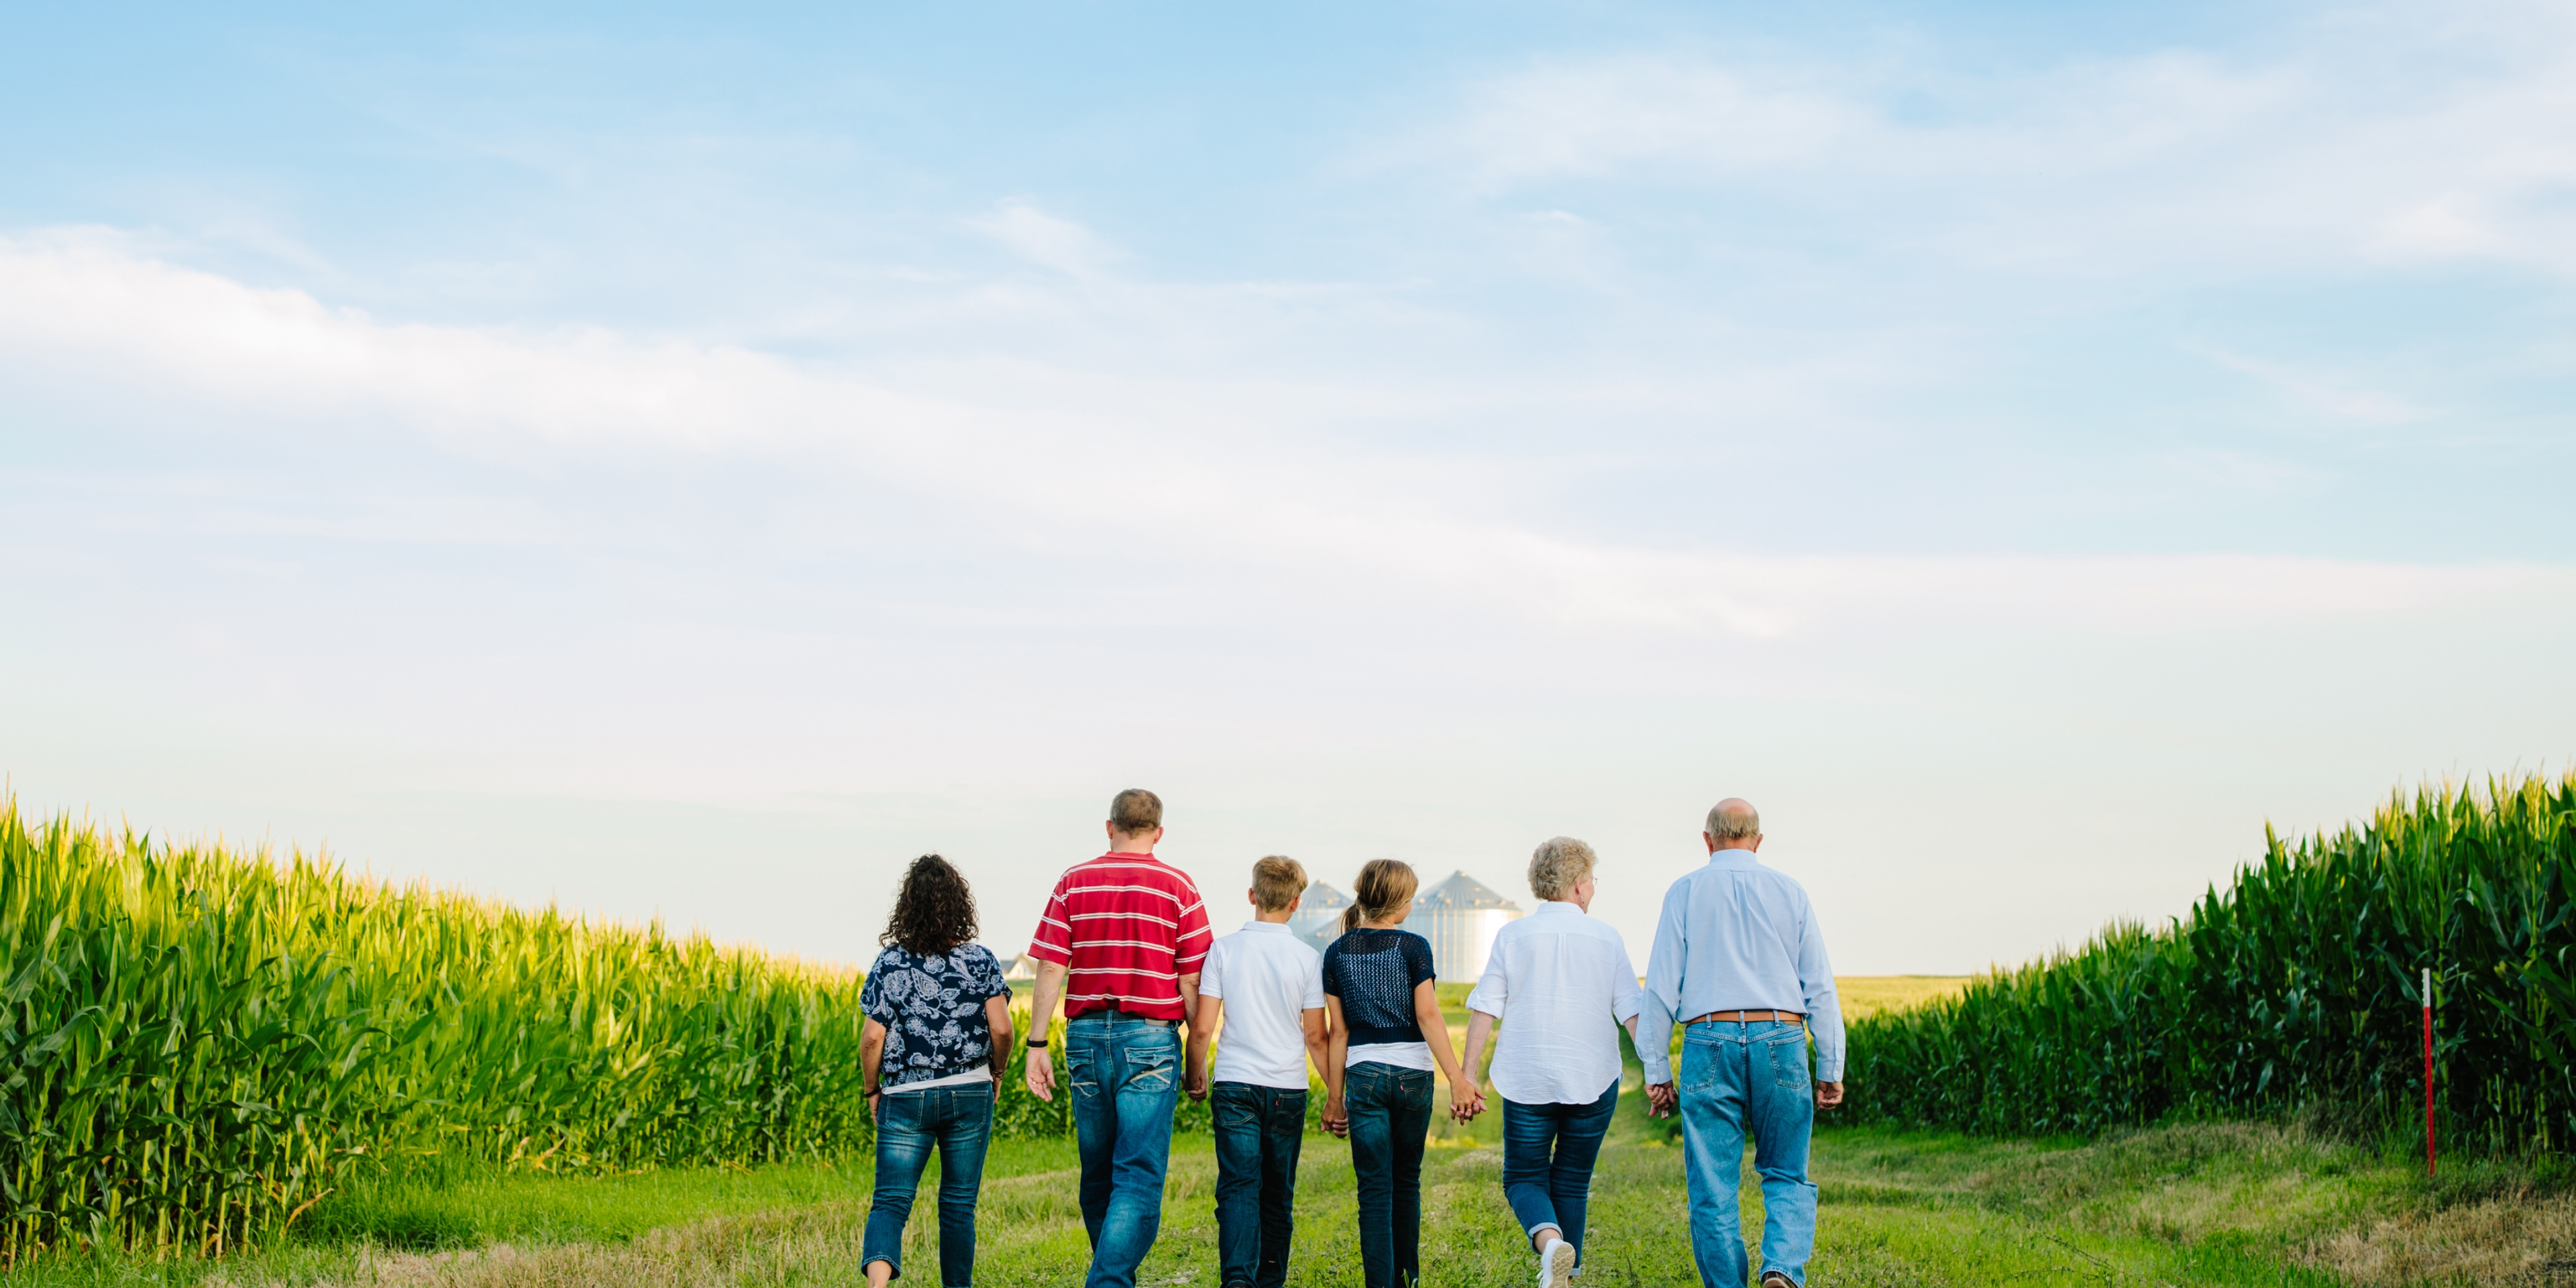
pixel 1735 858
pixel 1268 927
pixel 1131 858
pixel 1562 905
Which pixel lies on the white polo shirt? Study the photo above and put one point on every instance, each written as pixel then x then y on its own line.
pixel 1561 984
pixel 1268 979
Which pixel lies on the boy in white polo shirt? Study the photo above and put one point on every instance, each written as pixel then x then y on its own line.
pixel 1267 988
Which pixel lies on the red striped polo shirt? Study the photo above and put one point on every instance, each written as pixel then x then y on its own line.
pixel 1127 926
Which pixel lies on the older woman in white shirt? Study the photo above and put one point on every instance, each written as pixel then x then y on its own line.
pixel 1561 984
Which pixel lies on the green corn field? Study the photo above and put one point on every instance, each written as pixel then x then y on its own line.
pixel 2294 989
pixel 195 1046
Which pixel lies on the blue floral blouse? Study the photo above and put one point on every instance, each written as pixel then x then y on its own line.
pixel 933 1011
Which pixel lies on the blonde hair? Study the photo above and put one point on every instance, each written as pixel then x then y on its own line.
pixel 1557 865
pixel 1384 886
pixel 1277 880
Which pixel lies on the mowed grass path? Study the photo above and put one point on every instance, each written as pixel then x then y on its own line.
pixel 2213 1205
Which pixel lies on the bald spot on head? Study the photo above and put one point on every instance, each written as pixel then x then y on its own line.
pixel 1733 820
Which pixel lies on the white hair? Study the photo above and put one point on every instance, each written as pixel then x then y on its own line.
pixel 1557 865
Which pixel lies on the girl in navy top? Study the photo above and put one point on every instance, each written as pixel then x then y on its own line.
pixel 1387 1036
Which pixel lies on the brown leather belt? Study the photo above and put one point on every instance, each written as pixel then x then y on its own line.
pixel 1748 1017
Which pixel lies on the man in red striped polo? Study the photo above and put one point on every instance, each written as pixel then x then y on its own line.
pixel 1120 941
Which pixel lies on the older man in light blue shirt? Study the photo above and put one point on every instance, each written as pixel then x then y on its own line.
pixel 1738 959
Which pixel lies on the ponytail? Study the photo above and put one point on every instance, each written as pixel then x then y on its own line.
pixel 1384 885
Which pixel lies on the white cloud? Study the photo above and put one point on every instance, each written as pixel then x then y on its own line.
pixel 1044 239
pixel 2409 131
pixel 1173 475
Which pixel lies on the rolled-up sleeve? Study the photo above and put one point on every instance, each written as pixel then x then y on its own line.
pixel 1660 1001
pixel 1824 1008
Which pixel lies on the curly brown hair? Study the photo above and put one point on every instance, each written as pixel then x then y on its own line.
pixel 934 911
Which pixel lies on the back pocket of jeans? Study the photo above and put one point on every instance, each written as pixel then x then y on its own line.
pixel 1789 1060
pixel 1149 1070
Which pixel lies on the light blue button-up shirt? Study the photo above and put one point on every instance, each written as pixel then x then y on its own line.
pixel 1737 936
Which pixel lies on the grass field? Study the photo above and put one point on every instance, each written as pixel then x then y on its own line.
pixel 2214 1204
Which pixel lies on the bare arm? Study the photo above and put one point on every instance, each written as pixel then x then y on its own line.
pixel 1337 1048
pixel 1040 1071
pixel 1317 1049
pixel 1466 1100
pixel 1480 1027
pixel 871 1055
pixel 997 1017
pixel 1204 1020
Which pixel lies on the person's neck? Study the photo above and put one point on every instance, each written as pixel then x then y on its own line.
pixel 1130 845
pixel 1271 918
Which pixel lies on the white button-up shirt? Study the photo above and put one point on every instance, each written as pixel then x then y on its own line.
pixel 1561 984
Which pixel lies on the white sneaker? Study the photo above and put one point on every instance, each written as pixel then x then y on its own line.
pixel 1556 1264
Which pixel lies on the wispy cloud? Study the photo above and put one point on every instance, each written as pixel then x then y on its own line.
pixel 2407 131
pixel 1264 502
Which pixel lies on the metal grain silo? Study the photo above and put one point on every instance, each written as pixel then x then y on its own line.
pixel 1460 916
pixel 1319 915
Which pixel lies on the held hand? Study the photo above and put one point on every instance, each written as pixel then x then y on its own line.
pixel 1041 1074
pixel 1465 1101
pixel 1661 1099
pixel 1336 1120
pixel 1828 1094
pixel 1195 1082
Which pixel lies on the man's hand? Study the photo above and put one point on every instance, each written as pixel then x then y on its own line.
pixel 1195 1082
pixel 1662 1100
pixel 1336 1119
pixel 1828 1094
pixel 1041 1073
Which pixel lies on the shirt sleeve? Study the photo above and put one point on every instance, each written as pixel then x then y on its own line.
pixel 1314 1000
pixel 1328 976
pixel 1627 1000
pixel 1212 971
pixel 1661 999
pixel 991 969
pixel 1417 955
pixel 1492 991
pixel 1053 941
pixel 872 998
pixel 1191 939
pixel 1824 1007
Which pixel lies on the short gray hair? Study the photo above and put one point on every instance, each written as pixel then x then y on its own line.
pixel 1557 865
pixel 1733 824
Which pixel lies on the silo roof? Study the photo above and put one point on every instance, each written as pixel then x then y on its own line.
pixel 1320 897
pixel 1463 892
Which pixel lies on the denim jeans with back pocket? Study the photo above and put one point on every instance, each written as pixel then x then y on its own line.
pixel 1258 1132
pixel 1126 1077
pixel 957 1120
pixel 1739 1079
pixel 1390 1110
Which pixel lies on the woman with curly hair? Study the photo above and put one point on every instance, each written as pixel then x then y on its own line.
pixel 938 1032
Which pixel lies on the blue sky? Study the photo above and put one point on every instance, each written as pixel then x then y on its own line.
pixel 684 463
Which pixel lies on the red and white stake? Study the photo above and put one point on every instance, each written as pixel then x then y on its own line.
pixel 2428 1071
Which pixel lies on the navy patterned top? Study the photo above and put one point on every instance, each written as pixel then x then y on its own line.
pixel 1374 972
pixel 933 1012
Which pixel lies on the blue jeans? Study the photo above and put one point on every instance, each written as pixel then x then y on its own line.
pixel 1258 1130
pixel 1390 1111
pixel 1548 1152
pixel 959 1120
pixel 1739 1078
pixel 1126 1077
